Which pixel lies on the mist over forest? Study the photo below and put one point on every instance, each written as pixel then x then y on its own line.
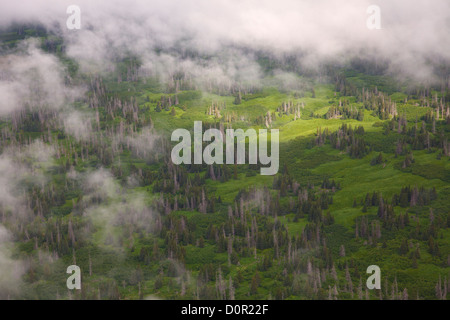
pixel 87 178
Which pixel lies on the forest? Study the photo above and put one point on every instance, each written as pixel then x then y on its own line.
pixel 87 177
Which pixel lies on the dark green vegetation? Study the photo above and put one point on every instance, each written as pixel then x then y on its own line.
pixel 364 179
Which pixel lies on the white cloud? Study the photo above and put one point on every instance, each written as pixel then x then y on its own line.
pixel 411 30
